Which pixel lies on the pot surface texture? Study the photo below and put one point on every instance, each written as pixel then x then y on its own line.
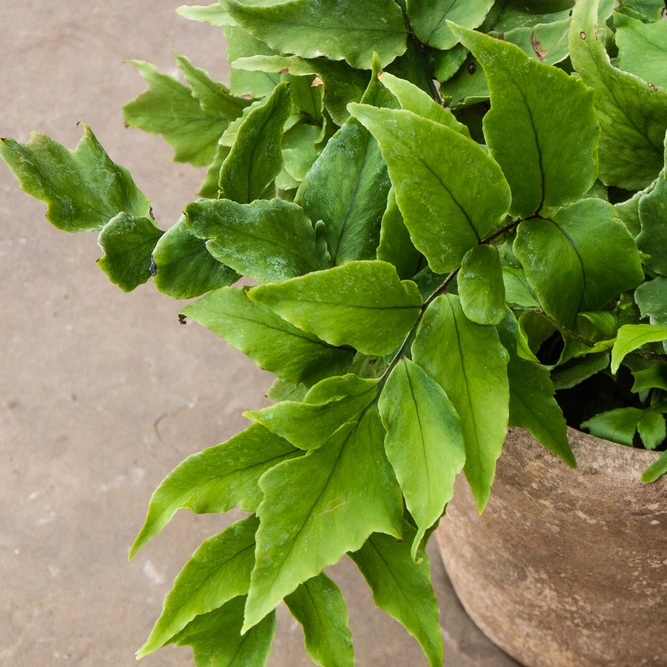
pixel 565 568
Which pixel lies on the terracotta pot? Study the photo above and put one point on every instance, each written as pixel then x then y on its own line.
pixel 565 568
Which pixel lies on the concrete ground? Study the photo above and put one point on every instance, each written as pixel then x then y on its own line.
pixel 102 393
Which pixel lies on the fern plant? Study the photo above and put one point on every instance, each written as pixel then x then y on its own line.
pixel 453 216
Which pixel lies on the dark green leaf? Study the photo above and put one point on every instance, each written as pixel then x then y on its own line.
pixel 621 425
pixel 481 285
pixel 447 205
pixel 272 343
pixel 651 297
pixel 642 48
pixel 128 243
pixel 653 377
pixel 647 10
pixel 653 237
pixel 447 63
pixel 83 188
pixel 655 471
pixel 579 370
pixel 396 246
pixel 210 188
pixel 468 86
pixel 517 291
pixel 362 304
pixel 469 362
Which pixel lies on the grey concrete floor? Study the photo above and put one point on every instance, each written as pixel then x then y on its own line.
pixel 102 393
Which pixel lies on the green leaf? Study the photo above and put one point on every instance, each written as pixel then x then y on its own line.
pixel 470 364
pixel 618 425
pixel 653 377
pixel 218 571
pixel 647 10
pixel 184 268
pixel 320 608
pixel 216 480
pixel 546 42
pixel 429 19
pixel 396 246
pixel 655 471
pixel 584 274
pixel 83 188
pixel 347 187
pixel 241 44
pixel 250 170
pixel 337 29
pixel 266 240
pixel 579 370
pixel 327 406
pixel 272 343
pixel 651 297
pixel 362 304
pixel 468 86
pixel 532 402
pixel 633 336
pixel 447 205
pixel 633 116
pixel 217 641
pixel 642 48
pixel 653 238
pixel 169 108
pixel 214 14
pixel 517 291
pixel 402 588
pixel 510 16
pixel 286 391
pixel 652 429
pixel 447 63
pixel 481 285
pixel 299 150
pixel 549 159
pixel 319 507
pixel 210 188
pixel 128 242
pixel 424 443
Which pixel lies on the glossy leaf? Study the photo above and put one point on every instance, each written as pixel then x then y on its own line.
pixel 218 571
pixel 216 638
pixel 584 273
pixel 169 108
pixel 633 336
pixel 362 304
pixel 308 424
pixel 424 443
pixel 337 29
pixel 402 588
pixel 317 508
pixel 256 159
pixel 320 608
pixel 266 240
pixel 83 188
pixel 128 243
pixel 447 205
pixel 396 246
pixel 549 159
pixel 652 214
pixel 633 116
pixel 429 19
pixel 481 285
pixel 470 364
pixel 655 471
pixel 216 479
pixel 271 342
pixel 184 268
pixel 642 48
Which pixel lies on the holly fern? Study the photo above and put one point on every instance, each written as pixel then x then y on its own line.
pixel 419 206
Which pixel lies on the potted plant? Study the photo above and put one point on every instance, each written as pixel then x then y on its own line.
pixel 447 211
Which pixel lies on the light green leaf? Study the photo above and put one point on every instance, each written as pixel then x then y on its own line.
pixel 319 507
pixel 337 29
pixel 649 10
pixel 652 214
pixel 184 268
pixel 447 63
pixel 532 402
pixel 402 588
pixel 481 285
pixel 327 406
pixel 468 86
pixel 424 443
pixel 362 304
pixel 633 116
pixel 508 16
pixel 546 42
pixel 642 48
pixel 216 480
pixel 271 342
pixel 584 272
pixel 128 242
pixel 447 205
pixel 396 246
pixel 216 638
pixel 470 364
pixel 579 370
pixel 169 108
pixel 348 185
pixel 83 188
pixel 549 160
pixel 412 98
pixel 281 390
pixel 633 336
pixel 250 170
pixel 299 150
pixel 618 425
pixel 218 571
pixel 429 19
pixel 266 240
pixel 320 608
pixel 241 44
pixel 651 297
pixel 214 14
pixel 655 471
pixel 517 291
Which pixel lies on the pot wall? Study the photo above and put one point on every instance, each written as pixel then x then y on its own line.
pixel 566 568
